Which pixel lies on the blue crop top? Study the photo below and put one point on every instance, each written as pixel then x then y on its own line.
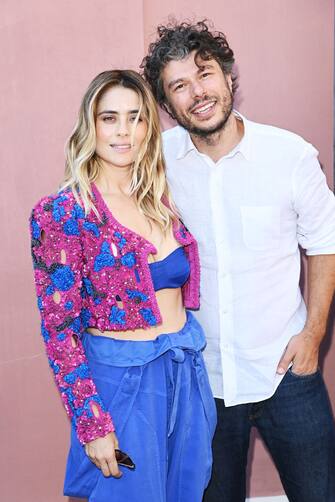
pixel 172 272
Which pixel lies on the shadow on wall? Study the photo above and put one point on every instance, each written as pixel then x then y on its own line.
pixel 326 343
pixel 251 452
pixel 238 97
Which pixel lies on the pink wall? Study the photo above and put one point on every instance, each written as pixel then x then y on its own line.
pixel 51 52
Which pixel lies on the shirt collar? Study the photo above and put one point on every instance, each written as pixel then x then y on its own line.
pixel 243 147
pixel 186 145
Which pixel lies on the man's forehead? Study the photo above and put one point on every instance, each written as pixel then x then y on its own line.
pixel 182 68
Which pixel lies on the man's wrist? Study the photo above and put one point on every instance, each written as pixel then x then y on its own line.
pixel 313 332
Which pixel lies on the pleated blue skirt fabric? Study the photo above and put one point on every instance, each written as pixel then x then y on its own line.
pixel 164 414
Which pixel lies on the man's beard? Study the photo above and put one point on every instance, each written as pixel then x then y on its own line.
pixel 204 132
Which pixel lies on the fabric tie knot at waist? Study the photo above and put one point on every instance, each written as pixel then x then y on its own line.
pixel 177 355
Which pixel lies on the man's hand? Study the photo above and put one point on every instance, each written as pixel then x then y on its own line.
pixel 303 351
pixel 102 453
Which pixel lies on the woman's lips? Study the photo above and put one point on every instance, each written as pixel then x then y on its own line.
pixel 121 148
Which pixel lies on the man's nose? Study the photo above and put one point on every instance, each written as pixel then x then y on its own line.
pixel 197 89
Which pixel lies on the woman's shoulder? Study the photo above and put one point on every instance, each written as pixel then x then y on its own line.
pixel 58 208
pixel 64 197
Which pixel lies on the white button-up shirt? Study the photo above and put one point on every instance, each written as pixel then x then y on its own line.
pixel 249 212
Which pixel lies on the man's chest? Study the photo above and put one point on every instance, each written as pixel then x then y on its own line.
pixel 247 206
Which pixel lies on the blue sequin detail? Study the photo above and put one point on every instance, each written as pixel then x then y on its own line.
pixel 61 337
pixel 71 227
pixel 81 372
pixel 45 332
pixel 182 232
pixel 50 290
pixel 70 398
pixel 117 316
pixel 105 258
pixel 63 278
pixel 97 301
pixel 68 305
pixel 95 399
pixel 85 316
pixel 54 366
pixel 128 260
pixel 78 212
pixel 122 240
pixel 91 227
pixel 88 286
pixel 134 294
pixel 39 303
pixel 137 275
pixel 35 229
pixel 76 325
pixel 58 211
pixel 148 316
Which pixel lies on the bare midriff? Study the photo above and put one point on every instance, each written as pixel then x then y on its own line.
pixel 170 303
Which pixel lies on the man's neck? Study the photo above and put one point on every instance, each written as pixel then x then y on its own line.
pixel 221 143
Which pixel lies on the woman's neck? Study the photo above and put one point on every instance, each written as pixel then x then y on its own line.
pixel 113 180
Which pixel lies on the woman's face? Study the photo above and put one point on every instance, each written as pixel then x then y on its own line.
pixel 118 139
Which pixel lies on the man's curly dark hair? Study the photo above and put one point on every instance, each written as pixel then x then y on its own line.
pixel 175 42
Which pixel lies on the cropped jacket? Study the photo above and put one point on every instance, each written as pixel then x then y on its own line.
pixel 92 271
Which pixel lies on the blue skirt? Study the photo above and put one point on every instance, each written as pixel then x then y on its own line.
pixel 158 395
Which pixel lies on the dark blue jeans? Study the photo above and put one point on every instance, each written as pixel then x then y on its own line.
pixel 298 428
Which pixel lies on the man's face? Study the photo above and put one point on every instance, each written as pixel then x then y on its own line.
pixel 199 95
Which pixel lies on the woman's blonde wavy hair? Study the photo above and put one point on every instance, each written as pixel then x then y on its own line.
pixel 148 181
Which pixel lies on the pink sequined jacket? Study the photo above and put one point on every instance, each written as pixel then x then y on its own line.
pixel 92 272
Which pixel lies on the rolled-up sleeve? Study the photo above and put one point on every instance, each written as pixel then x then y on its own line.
pixel 314 204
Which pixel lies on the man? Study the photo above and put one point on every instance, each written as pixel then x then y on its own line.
pixel 251 194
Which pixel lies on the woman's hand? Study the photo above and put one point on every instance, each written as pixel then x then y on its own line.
pixel 102 453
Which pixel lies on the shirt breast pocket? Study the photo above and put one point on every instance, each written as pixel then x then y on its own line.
pixel 261 227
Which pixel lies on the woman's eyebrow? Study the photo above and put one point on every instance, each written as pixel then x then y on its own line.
pixel 116 112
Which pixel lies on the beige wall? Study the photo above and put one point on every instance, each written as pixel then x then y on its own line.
pixel 50 52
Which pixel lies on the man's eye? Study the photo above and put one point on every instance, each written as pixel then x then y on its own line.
pixel 179 86
pixel 204 75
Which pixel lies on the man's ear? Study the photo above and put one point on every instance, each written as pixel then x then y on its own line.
pixel 229 81
pixel 167 108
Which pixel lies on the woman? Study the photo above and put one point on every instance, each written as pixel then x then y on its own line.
pixel 114 270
